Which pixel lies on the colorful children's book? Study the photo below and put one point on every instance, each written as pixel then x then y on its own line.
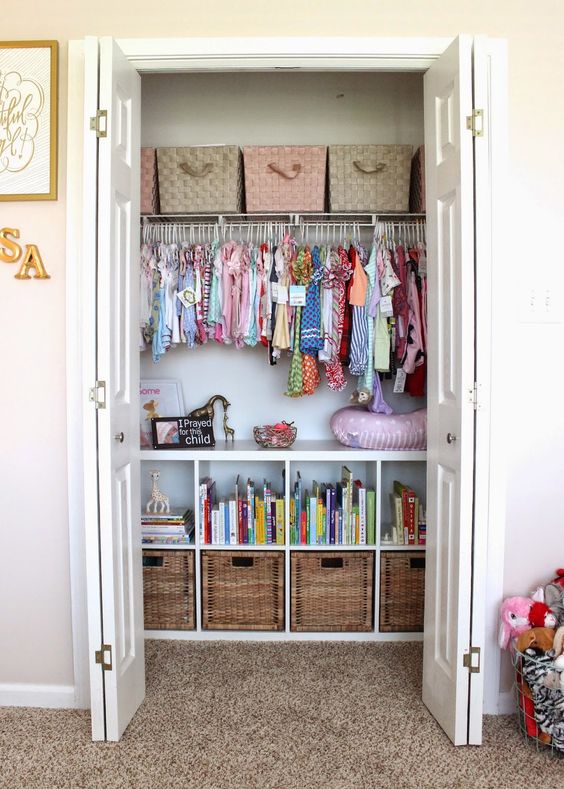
pixel 280 521
pixel 370 516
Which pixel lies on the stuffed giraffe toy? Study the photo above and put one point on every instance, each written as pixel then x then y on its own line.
pixel 157 496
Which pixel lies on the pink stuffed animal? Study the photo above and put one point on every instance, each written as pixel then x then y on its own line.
pixel 514 619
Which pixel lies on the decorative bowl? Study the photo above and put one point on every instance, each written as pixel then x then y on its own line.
pixel 278 436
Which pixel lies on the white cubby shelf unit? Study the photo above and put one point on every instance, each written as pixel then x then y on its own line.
pixel 182 471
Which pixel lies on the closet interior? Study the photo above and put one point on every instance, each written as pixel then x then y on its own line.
pixel 279 580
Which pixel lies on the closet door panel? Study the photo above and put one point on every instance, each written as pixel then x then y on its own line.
pixel 450 434
pixel 118 366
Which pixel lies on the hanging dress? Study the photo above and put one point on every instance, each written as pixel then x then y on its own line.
pixel 310 335
pixel 339 274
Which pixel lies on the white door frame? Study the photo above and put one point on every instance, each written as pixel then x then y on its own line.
pixel 308 53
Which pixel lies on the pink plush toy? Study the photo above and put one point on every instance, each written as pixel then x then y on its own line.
pixel 514 619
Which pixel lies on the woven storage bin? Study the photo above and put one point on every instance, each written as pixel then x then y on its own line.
pixel 149 182
pixel 417 187
pixel 369 177
pixel 168 590
pixel 402 591
pixel 243 590
pixel 332 591
pixel 201 179
pixel 285 177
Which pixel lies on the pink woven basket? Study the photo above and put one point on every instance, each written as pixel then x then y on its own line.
pixel 149 182
pixel 285 178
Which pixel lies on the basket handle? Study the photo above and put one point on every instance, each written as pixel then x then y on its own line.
pixel 297 168
pixel 152 561
pixel 417 563
pixel 242 561
pixel 206 169
pixel 332 562
pixel 378 169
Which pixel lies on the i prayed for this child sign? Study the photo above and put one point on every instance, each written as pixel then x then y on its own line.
pixel 182 432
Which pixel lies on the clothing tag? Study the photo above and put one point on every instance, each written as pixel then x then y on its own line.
pixel 297 295
pixel 188 297
pixel 282 294
pixel 399 383
pixel 386 308
pixel 274 291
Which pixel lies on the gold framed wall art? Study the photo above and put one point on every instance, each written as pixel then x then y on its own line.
pixel 28 120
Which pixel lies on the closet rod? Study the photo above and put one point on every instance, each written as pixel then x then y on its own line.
pixel 294 219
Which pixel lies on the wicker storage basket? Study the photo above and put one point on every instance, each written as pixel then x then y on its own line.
pixel 285 178
pixel 417 187
pixel 369 177
pixel 402 591
pixel 201 179
pixel 332 591
pixel 149 182
pixel 169 590
pixel 243 590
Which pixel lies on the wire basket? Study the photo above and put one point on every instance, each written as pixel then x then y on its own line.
pixel 539 694
pixel 277 436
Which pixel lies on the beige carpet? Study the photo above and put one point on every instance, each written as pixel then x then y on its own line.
pixel 290 716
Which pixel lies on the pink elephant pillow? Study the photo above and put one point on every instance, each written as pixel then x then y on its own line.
pixel 355 426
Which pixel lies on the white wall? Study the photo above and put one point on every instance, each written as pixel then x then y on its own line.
pixel 35 623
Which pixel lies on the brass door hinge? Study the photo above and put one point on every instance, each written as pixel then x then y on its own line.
pixel 99 123
pixel 104 657
pixel 475 123
pixel 471 660
pixel 97 394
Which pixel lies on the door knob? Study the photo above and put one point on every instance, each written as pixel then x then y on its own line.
pixel 451 438
pixel 119 437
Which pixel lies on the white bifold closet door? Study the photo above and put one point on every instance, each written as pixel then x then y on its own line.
pixel 451 692
pixel 115 594
pixel 117 357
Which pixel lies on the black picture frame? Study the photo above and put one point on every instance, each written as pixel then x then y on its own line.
pixel 184 432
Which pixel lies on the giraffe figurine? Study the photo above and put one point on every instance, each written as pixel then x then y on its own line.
pixel 227 429
pixel 157 496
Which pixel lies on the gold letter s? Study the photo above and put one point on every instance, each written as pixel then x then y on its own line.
pixel 9 250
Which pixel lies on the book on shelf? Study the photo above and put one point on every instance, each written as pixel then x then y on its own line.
pixel 178 523
pixel 173 516
pixel 397 513
pixel 341 513
pixel 422 526
pixel 243 518
pixel 408 516
pixel 370 516
pixel 167 539
pixel 280 516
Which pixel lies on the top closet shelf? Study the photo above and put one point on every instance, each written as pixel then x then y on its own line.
pixel 300 450
pixel 291 219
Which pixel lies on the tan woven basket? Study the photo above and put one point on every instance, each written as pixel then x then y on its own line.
pixel 243 590
pixel 369 177
pixel 332 591
pixel 402 591
pixel 285 177
pixel 149 182
pixel 417 187
pixel 201 179
pixel 169 590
